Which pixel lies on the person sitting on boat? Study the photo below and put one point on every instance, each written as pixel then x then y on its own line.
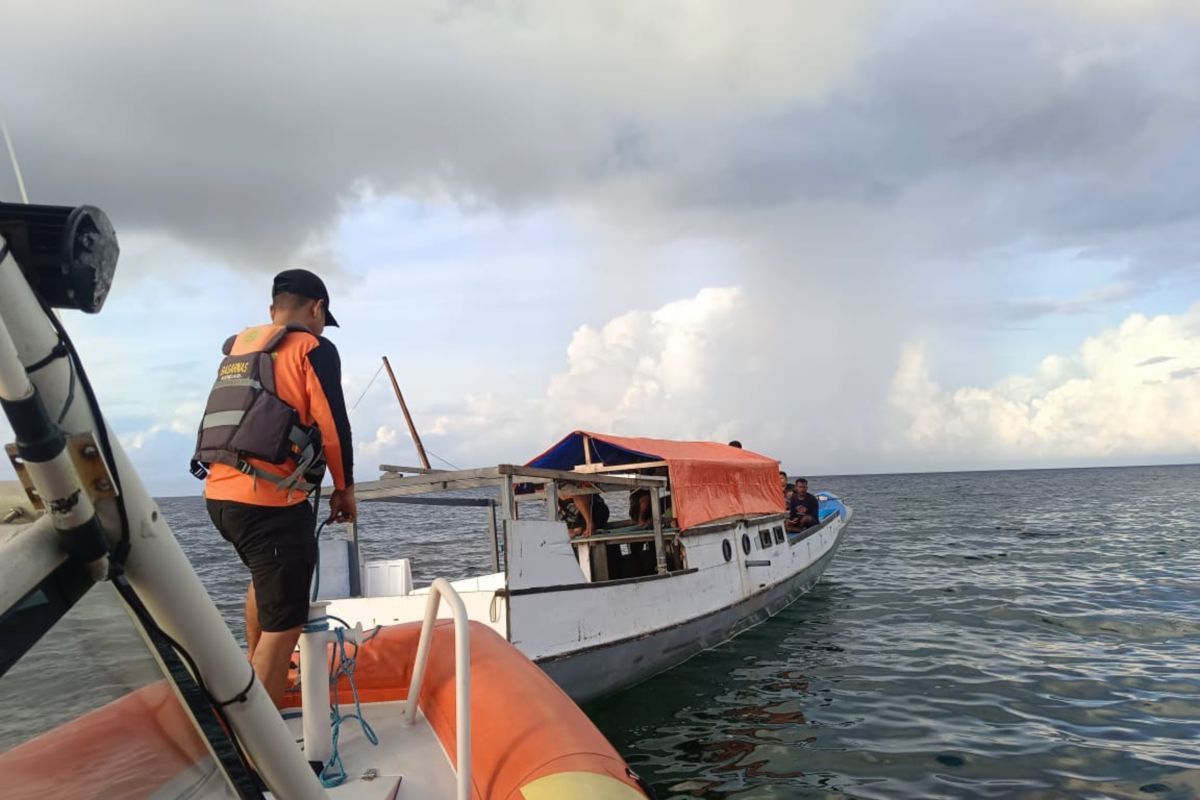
pixel 640 513
pixel 803 508
pixel 788 488
pixel 584 513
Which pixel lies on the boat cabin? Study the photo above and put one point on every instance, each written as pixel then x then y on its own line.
pixel 689 485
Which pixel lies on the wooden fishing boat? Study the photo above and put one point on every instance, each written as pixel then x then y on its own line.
pixel 604 612
pixel 118 676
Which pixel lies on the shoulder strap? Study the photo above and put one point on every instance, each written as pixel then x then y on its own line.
pixel 228 346
pixel 277 334
pixel 280 332
pixel 260 339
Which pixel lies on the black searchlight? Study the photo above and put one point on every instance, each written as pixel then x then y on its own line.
pixel 68 255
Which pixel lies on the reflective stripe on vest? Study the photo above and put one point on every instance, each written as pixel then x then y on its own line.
pixel 219 419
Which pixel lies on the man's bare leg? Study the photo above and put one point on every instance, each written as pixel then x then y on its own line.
pixel 253 631
pixel 585 511
pixel 271 659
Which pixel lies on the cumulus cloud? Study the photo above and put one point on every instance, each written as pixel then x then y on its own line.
pixel 1114 398
pixel 385 437
pixel 663 372
pixel 710 366
pixel 655 370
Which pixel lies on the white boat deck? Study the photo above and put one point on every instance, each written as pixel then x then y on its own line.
pixel 408 763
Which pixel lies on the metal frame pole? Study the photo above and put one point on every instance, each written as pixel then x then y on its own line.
pixel 492 540
pixel 355 567
pixel 660 554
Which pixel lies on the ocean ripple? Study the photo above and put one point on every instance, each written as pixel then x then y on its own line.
pixel 966 651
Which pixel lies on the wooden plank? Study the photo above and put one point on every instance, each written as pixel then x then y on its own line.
pixel 617 538
pixel 413 470
pixel 584 554
pixel 438 477
pixel 478 502
pixel 592 469
pixel 574 477
pixel 598 556
pixel 412 429
pixel 551 494
pixel 424 483
pixel 375 490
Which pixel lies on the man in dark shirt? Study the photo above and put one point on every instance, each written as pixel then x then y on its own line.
pixel 803 508
pixel 273 528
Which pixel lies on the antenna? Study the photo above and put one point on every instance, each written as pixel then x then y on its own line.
pixel 12 156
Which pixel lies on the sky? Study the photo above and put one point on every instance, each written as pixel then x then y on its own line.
pixel 862 236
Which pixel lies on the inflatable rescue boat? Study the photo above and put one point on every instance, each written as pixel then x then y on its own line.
pixel 528 740
pixel 119 678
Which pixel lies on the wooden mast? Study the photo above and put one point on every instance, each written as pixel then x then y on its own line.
pixel 412 429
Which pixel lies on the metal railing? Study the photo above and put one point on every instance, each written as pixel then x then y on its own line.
pixel 462 675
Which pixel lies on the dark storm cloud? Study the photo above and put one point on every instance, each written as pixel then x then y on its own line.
pixel 1000 127
pixel 946 131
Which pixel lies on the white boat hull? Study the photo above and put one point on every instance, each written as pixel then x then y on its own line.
pixel 595 638
pixel 607 668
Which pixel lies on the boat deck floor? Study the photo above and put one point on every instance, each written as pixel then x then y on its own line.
pixel 407 764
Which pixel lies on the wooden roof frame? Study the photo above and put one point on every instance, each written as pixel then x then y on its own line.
pixel 396 482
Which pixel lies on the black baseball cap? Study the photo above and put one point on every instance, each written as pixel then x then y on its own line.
pixel 305 284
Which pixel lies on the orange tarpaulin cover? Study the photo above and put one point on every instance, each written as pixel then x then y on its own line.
pixel 709 481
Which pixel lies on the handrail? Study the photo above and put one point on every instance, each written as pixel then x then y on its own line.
pixel 462 675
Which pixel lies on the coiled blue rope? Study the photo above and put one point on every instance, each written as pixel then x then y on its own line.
pixel 334 773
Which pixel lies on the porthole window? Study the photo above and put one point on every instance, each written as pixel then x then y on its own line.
pixel 746 543
pixel 727 549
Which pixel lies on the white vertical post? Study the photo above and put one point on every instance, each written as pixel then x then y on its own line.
pixel 508 500
pixel 660 555
pixel 314 685
pixel 14 382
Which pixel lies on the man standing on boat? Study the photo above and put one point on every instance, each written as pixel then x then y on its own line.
pixel 275 418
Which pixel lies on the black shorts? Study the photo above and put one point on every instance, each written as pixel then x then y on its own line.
pixel 279 545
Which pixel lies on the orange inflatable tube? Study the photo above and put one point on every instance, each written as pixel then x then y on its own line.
pixel 130 747
pixel 529 741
